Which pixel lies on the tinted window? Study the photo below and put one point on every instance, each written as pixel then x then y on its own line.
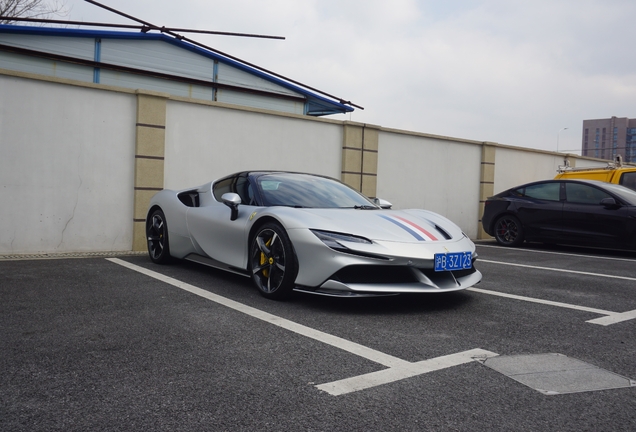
pixel 301 190
pixel 628 195
pixel 584 194
pixel 223 186
pixel 628 180
pixel 239 185
pixel 543 191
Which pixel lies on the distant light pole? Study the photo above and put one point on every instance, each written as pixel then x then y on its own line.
pixel 559 133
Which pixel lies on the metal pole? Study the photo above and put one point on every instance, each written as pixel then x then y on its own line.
pixel 558 133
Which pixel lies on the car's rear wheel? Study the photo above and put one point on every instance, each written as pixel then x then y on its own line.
pixel 272 262
pixel 508 231
pixel 157 236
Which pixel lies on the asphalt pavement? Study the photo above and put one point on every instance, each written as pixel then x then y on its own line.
pixel 122 344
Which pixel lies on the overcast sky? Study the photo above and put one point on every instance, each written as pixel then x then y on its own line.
pixel 514 72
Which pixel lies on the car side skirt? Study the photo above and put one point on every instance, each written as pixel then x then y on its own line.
pixel 216 264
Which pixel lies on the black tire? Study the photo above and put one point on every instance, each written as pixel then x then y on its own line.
pixel 508 231
pixel 157 236
pixel 272 262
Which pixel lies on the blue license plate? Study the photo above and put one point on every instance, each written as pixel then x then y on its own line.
pixel 453 261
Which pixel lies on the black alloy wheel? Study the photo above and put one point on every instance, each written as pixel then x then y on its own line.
pixel 157 235
pixel 272 262
pixel 508 231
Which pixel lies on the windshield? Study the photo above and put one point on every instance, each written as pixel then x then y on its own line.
pixel 304 190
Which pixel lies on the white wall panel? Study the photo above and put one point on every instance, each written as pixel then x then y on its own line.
pixel 518 166
pixel 583 163
pixel 433 174
pixel 204 143
pixel 66 168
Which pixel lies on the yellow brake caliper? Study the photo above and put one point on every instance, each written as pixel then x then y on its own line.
pixel 264 259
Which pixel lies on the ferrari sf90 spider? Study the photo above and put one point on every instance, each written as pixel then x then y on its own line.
pixel 292 231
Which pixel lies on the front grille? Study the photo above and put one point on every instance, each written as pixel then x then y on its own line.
pixel 374 274
pixel 369 274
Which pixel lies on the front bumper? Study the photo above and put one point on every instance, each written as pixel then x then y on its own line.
pixel 383 268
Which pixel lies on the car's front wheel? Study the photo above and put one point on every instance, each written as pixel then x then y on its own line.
pixel 508 231
pixel 272 262
pixel 157 237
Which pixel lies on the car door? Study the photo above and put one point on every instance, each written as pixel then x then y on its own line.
pixel 587 222
pixel 211 229
pixel 541 211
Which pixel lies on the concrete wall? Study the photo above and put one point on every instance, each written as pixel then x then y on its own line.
pixel 515 166
pixel 79 161
pixel 442 175
pixel 66 167
pixel 205 141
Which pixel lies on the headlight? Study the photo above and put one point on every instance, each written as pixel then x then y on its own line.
pixel 332 239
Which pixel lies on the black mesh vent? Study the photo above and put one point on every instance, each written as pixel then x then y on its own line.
pixel 365 274
pixel 374 274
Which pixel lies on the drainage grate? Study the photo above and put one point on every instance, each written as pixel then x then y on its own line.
pixel 553 374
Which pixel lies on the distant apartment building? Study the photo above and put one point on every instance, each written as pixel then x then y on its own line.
pixel 607 138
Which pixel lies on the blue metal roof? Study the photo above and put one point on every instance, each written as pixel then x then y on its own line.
pixel 316 104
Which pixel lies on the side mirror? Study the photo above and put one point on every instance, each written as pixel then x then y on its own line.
pixel 609 203
pixel 382 203
pixel 232 200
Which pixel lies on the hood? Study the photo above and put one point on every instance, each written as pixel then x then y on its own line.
pixel 406 226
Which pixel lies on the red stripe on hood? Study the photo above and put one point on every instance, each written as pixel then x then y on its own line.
pixel 417 227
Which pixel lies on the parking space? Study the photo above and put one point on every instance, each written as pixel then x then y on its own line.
pixel 574 278
pixel 120 343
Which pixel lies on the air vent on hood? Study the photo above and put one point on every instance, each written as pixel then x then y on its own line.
pixel 443 232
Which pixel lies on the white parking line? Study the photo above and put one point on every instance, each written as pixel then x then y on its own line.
pixel 558 270
pixel 556 253
pixel 352 347
pixel 610 318
pixel 386 376
pixel 545 302
pixel 398 369
pixel 614 318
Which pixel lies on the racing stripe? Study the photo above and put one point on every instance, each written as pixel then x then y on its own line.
pixel 419 228
pixel 404 227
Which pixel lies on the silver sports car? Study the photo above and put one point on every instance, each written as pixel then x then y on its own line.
pixel 292 231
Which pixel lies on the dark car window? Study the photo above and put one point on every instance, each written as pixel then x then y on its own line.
pixel 223 186
pixel 628 180
pixel 301 190
pixel 237 184
pixel 583 194
pixel 627 195
pixel 542 191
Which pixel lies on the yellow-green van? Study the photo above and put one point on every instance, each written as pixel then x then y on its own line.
pixel 613 173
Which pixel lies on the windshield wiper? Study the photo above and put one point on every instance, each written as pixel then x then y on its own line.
pixel 365 207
